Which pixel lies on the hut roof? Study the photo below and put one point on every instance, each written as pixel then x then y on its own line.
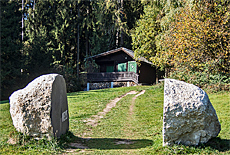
pixel 127 51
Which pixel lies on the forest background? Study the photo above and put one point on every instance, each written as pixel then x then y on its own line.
pixel 188 39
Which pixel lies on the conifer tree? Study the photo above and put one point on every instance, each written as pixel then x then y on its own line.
pixel 38 42
pixel 59 34
pixel 11 55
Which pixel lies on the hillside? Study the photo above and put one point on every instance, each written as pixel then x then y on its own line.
pixel 124 120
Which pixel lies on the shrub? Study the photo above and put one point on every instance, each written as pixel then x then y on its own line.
pixel 204 79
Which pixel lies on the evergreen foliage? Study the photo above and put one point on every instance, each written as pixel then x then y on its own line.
pixel 190 36
pixel 11 54
pixel 60 34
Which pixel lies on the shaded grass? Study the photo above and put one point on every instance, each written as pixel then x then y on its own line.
pixel 118 132
pixel 6 125
pixel 221 103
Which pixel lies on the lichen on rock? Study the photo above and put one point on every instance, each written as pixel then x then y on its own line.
pixel 32 108
pixel 188 116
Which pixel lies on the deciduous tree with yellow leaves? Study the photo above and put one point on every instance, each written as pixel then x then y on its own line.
pixel 199 38
pixel 191 38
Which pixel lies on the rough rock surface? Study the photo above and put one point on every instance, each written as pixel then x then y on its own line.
pixel 41 108
pixel 189 117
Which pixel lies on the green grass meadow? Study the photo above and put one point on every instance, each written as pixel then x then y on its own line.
pixel 119 131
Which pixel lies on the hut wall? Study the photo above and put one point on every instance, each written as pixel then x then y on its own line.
pixel 147 74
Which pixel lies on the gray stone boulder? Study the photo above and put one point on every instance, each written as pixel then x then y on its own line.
pixel 188 116
pixel 41 109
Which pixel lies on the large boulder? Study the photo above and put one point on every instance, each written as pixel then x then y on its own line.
pixel 188 116
pixel 41 109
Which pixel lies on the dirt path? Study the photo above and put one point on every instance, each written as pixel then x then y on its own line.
pixel 93 121
pixel 95 118
pixel 133 101
pixel 129 122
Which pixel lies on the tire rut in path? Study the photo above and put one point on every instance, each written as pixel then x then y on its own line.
pixel 93 121
pixel 129 120
pixel 133 101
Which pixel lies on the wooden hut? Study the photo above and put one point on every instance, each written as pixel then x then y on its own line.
pixel 119 65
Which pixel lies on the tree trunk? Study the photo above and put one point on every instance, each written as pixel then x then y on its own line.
pixel 87 37
pixel 122 35
pixel 78 31
pixel 22 19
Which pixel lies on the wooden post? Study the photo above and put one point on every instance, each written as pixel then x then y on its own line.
pixel 157 76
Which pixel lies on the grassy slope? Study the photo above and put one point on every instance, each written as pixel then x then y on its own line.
pixel 143 127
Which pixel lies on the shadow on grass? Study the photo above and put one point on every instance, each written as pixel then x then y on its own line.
pixel 218 144
pixel 114 143
pixel 75 142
